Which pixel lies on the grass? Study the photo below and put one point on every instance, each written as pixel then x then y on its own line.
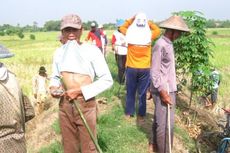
pixel 55 147
pixel 115 135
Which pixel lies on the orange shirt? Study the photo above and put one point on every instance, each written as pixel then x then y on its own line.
pixel 139 56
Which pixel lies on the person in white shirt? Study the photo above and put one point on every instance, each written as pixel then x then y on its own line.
pixel 81 71
pixel 40 89
pixel 119 46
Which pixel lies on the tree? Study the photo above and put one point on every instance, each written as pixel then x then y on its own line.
pixel 192 54
pixel 20 34
pixel 52 25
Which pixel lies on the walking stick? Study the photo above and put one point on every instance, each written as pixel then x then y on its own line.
pixel 87 126
pixel 169 125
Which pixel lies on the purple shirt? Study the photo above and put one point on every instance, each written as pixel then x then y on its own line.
pixel 163 73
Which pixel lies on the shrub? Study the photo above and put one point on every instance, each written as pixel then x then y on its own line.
pixel 2 33
pixel 215 33
pixel 20 35
pixel 32 37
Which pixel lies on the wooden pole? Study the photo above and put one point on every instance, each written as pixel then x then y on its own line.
pixel 87 126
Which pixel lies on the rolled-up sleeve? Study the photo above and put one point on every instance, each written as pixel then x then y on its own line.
pixel 157 77
pixel 103 79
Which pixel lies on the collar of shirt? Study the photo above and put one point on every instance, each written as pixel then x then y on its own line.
pixel 167 39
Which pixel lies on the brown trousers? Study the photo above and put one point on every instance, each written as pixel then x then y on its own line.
pixel 75 136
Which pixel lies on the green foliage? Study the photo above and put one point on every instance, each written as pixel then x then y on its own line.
pixel 20 35
pixel 215 33
pixel 32 36
pixel 56 126
pixel 55 147
pixel 116 135
pixel 211 23
pixel 2 33
pixel 193 52
pixel 52 25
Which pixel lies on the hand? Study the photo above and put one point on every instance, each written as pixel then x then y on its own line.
pixel 73 93
pixel 165 97
pixel 35 96
pixel 56 92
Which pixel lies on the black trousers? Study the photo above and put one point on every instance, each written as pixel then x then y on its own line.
pixel 121 60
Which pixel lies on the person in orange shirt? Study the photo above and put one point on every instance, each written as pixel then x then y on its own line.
pixel 139 32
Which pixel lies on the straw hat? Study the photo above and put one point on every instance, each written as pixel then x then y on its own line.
pixel 4 52
pixel 176 23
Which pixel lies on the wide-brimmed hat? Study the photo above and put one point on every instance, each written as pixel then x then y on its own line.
pixel 42 69
pixel 72 20
pixel 175 22
pixel 4 52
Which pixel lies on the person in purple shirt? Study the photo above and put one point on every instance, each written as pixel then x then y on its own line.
pixel 163 82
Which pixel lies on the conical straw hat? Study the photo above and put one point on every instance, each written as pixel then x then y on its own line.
pixel 4 52
pixel 176 23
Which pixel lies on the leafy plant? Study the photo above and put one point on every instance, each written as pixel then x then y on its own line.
pixel 192 54
pixel 32 37
pixel 20 35
pixel 215 33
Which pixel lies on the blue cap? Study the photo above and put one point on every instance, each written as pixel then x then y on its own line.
pixel 120 22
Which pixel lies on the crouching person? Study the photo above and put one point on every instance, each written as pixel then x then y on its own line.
pixel 81 72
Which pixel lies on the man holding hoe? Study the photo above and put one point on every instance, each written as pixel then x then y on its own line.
pixel 75 67
pixel 163 76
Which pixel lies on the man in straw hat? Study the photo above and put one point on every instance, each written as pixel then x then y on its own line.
pixel 163 82
pixel 139 32
pixel 12 117
pixel 79 69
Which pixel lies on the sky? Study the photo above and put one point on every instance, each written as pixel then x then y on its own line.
pixel 25 12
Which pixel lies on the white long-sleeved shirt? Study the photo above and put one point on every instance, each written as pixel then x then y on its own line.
pixel 83 59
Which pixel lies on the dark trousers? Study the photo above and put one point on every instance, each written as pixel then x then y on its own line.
pixel 75 136
pixel 160 126
pixel 137 80
pixel 121 60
